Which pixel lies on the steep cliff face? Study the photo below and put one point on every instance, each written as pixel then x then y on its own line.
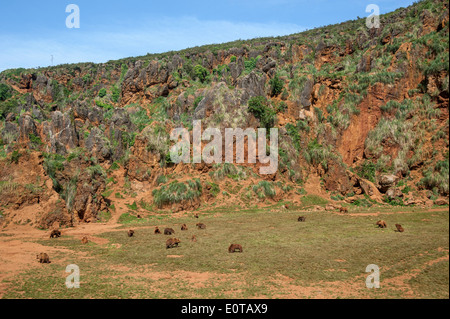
pixel 366 110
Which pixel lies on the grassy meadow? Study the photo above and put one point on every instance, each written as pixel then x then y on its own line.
pixel 323 257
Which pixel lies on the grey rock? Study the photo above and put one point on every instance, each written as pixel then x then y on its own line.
pixel 10 132
pixel 98 145
pixel 305 97
pixel 253 85
pixel 386 182
pixel 26 127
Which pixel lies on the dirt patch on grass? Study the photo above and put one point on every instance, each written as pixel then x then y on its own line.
pixel 20 255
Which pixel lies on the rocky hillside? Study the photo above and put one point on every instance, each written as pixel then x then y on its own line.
pixel 362 117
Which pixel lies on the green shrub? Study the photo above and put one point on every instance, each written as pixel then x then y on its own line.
pixel 104 105
pixel 221 68
pixel 115 94
pixel 362 202
pixel 5 92
pixel 293 133
pixel 259 107
pixel 337 197
pixel 75 153
pixel 102 92
pixel 281 107
pixel 250 64
pixel 15 157
pixel 393 201
pixel 214 190
pixel 124 69
pixel 52 164
pixel 36 140
pixel 114 166
pixel 276 85
pixel 140 118
pixel 367 170
pixel 197 100
pixel 201 73
pixel 8 106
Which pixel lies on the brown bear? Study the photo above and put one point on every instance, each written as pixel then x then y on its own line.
pixel 194 239
pixel 157 231
pixel 172 242
pixel 201 226
pixel 43 258
pixel 301 218
pixel 184 227
pixel 343 210
pixel 84 240
pixel 169 231
pixel 130 233
pixel 196 215
pixel 55 233
pixel 399 228
pixel 381 224
pixel 234 247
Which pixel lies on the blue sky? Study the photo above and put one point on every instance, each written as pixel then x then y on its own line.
pixel 32 31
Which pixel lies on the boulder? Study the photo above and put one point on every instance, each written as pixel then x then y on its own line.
pixel 393 193
pixel 386 182
pixel 441 202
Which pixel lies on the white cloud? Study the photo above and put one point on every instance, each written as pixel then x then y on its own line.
pixel 153 37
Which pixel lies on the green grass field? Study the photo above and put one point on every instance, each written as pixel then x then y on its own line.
pixel 324 257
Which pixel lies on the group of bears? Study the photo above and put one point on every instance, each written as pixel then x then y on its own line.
pixel 173 242
pixel 44 258
pixel 382 224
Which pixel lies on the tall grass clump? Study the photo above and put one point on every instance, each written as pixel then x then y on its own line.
pixel 436 178
pixel 264 189
pixel 176 192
